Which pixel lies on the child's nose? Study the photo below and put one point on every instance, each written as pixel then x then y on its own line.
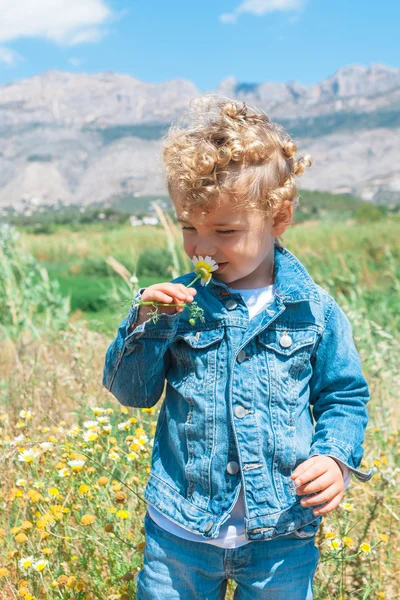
pixel 205 250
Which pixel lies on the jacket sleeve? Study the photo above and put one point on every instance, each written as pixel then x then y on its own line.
pixel 137 361
pixel 339 394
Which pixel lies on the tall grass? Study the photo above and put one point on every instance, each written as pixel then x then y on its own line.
pixel 29 300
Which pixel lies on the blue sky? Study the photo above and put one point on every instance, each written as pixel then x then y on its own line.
pixel 205 42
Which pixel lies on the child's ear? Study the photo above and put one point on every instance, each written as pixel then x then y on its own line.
pixel 282 219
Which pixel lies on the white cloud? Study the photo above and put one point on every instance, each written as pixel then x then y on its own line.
pixel 228 18
pixel 9 57
pixel 65 22
pixel 261 7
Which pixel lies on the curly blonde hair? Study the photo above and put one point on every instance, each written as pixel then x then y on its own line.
pixel 221 146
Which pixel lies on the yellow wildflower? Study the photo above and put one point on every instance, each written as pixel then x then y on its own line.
pixel 123 514
pixel 15 530
pixel 83 489
pixel 365 547
pixel 4 572
pixel 88 519
pixel 20 538
pixel 383 538
pixel 348 541
pixel 335 544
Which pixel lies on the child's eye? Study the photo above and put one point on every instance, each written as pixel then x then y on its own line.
pixel 223 232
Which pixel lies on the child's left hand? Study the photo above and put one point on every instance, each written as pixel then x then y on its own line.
pixel 325 476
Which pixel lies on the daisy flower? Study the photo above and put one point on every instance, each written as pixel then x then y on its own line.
pixel 29 455
pixel 204 267
pixel 26 563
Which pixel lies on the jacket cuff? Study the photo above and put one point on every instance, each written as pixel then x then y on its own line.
pixel 337 452
pixel 165 328
pixel 345 472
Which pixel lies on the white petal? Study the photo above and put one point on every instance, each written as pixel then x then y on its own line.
pixel 210 260
pixel 195 260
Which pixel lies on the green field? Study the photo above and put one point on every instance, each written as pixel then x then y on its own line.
pixel 342 257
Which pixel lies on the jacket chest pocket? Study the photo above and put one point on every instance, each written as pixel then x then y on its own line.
pixel 200 354
pixel 288 351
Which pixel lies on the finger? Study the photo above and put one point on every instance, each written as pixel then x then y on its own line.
pixel 324 496
pixel 334 503
pixel 187 291
pixel 321 483
pixel 312 472
pixel 302 467
pixel 176 290
pixel 159 296
pixel 171 291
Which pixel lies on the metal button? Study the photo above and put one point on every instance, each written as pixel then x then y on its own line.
pixel 209 526
pixel 231 304
pixel 240 412
pixel 285 341
pixel 232 467
pixel 241 356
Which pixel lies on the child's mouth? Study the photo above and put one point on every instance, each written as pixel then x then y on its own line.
pixel 221 266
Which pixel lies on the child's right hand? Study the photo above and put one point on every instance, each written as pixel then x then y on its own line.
pixel 171 293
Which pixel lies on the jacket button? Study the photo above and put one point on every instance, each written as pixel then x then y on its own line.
pixel 285 341
pixel 209 526
pixel 239 412
pixel 231 304
pixel 232 467
pixel 241 356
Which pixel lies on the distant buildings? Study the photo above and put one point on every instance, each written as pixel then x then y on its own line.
pixel 135 222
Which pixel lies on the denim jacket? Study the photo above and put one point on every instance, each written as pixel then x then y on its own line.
pixel 245 401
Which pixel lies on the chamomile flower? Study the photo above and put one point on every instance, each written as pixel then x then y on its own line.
pixel 335 544
pixel 40 565
pixel 26 563
pixel 90 436
pixel 204 267
pixel 25 414
pixel 29 455
pixel 76 465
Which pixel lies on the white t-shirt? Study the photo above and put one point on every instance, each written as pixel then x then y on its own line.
pixel 232 532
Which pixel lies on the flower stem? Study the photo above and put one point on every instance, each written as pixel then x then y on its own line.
pixel 162 303
pixel 194 280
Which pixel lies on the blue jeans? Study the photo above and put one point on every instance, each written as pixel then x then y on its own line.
pixel 174 568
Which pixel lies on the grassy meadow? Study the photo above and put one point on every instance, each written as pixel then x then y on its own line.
pixel 75 462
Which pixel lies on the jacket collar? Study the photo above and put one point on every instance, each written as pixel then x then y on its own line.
pixel 292 281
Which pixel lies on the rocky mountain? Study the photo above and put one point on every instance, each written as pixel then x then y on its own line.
pixel 92 138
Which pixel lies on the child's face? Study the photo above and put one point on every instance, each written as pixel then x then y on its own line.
pixel 242 239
